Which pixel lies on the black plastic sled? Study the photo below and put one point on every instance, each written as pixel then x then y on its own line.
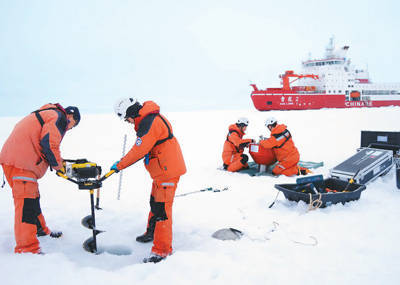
pixel 331 190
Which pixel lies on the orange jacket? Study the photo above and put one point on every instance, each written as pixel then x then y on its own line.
pixel 155 139
pixel 234 143
pixel 281 143
pixel 34 147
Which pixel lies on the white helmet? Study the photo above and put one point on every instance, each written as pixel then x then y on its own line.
pixel 270 121
pixel 122 105
pixel 242 121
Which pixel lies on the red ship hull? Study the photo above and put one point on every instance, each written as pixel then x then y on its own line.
pixel 295 101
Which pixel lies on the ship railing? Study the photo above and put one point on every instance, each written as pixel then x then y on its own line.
pixel 311 92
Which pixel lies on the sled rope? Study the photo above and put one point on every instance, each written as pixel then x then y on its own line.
pixel 315 204
pixel 313 243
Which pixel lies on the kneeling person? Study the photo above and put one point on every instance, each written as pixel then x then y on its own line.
pixel 285 151
pixel 233 157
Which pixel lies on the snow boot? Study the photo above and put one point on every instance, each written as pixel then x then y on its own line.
pixel 145 238
pixel 148 236
pixel 41 233
pixel 155 258
pixel 56 234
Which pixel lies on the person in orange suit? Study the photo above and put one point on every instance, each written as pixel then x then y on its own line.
pixel 232 155
pixel 163 160
pixel 285 151
pixel 32 147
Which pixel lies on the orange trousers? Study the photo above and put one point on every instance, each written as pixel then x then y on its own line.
pixel 238 161
pixel 288 166
pixel 160 216
pixel 28 215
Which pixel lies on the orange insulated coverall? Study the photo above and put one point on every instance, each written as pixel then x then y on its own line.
pixel 32 146
pixel 284 149
pixel 164 161
pixel 232 155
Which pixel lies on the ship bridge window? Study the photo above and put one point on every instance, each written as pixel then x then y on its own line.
pixel 377 92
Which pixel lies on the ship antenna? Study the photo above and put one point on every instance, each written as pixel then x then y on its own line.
pixel 330 47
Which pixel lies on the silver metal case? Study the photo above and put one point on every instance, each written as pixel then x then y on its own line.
pixel 370 163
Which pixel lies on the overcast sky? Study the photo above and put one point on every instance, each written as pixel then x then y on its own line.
pixel 183 54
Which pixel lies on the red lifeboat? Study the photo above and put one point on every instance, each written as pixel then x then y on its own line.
pixel 260 155
pixel 355 95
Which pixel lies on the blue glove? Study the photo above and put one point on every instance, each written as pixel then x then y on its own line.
pixel 114 167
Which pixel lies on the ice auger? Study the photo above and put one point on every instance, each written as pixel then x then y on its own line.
pixel 87 175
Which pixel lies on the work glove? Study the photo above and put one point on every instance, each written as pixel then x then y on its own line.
pixel 147 159
pixel 243 145
pixel 114 167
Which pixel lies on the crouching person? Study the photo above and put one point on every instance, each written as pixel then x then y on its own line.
pixel 233 157
pixel 163 159
pixel 285 151
pixel 32 147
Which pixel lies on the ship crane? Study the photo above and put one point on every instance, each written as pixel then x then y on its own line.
pixel 289 73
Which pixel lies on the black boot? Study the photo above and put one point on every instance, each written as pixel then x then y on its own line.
pixel 148 236
pixel 41 233
pixel 56 234
pixel 155 258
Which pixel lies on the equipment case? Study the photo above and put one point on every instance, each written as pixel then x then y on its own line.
pixel 365 166
pixel 381 140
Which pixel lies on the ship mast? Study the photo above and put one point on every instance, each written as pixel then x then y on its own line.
pixel 329 49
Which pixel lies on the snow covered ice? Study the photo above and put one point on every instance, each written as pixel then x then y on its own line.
pixel 357 243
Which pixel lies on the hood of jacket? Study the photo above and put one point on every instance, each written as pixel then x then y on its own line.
pixel 278 129
pixel 149 107
pixel 234 127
